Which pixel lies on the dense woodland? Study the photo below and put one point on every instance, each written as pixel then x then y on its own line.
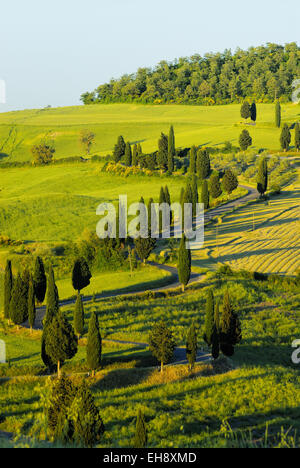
pixel 262 73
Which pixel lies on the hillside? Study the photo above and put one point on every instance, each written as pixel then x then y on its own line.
pixel 199 125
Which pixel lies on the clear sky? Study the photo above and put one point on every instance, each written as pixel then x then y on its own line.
pixel 53 51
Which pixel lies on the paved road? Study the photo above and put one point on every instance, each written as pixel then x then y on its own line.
pixel 180 357
pixel 195 277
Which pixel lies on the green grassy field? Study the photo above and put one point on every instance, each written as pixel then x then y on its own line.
pixel 215 406
pixel 209 126
pixel 260 237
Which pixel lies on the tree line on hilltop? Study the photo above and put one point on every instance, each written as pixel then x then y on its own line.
pixel 263 73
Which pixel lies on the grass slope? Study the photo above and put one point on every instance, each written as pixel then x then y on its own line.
pixel 19 131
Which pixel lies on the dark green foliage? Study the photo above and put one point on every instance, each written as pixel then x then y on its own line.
pixel 261 72
pixel 140 438
pixel 162 199
pixel 171 150
pixel 150 203
pixel 262 176
pixel 209 318
pixel 253 112
pixel 203 164
pixel 230 328
pixel 162 154
pixel 119 149
pixel 52 307
pixel 31 305
pixel 81 274
pixel 277 114
pixel 215 343
pixel 8 285
pixel 245 140
pixel 205 194
pixel 40 280
pixel 245 110
pixel 72 416
pixel 79 316
pixel 61 341
pixel 161 343
pixel 193 156
pixel 128 155
pixel 42 153
pixel 230 181
pixel 191 346
pixel 88 424
pixel 168 201
pixel 18 307
pixel 184 263
pixel 144 247
pixel 135 155
pixel 94 344
pixel 297 136
pixel 285 137
pixel 194 189
pixel 215 189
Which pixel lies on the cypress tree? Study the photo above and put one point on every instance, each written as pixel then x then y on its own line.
pixel 171 150
pixel 128 155
pixel 230 181
pixel 285 137
pixel 18 307
pixel 161 343
pixel 205 195
pixel 193 156
pixel 8 286
pixel 168 201
pixel 140 438
pixel 119 149
pixel 194 190
pixel 277 114
pixel 94 344
pixel 52 307
pixel 215 343
pixel 162 154
pixel 209 318
pixel 31 305
pixel 139 149
pixel 245 110
pixel 40 280
pixel 203 164
pixel 297 136
pixel 184 263
pixel 79 316
pixel 191 346
pixel 150 221
pixel 135 155
pixel 215 185
pixel 81 274
pixel 245 140
pixel 61 342
pixel 253 112
pixel 162 199
pixel 187 199
pixel 262 176
pixel 230 328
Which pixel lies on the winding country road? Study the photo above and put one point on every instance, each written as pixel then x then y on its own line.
pixel 179 354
